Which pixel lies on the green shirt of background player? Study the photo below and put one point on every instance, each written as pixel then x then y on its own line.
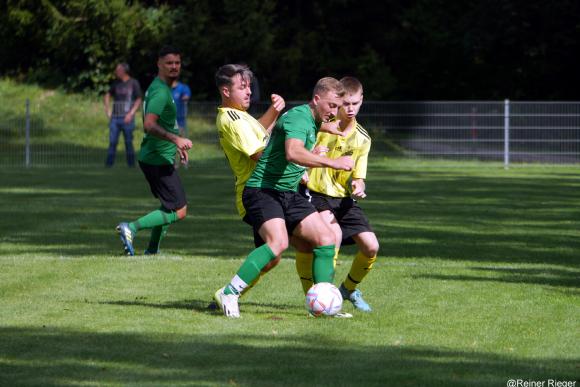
pixel 158 149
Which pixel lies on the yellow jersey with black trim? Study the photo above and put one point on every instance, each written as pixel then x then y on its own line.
pixel 241 136
pixel 335 183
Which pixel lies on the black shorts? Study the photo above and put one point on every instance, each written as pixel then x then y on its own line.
pixel 349 215
pixel 165 185
pixel 263 204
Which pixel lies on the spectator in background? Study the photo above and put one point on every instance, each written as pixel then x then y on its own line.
pixel 127 96
pixel 181 95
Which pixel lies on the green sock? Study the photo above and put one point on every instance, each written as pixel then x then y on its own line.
pixel 250 269
pixel 157 234
pixel 323 266
pixel 160 217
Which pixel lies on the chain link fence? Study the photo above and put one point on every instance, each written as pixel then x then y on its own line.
pixel 503 131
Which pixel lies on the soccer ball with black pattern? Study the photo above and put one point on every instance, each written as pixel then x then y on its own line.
pixel 323 299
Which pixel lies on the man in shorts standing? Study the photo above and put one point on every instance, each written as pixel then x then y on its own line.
pixel 273 206
pixel 158 149
pixel 333 193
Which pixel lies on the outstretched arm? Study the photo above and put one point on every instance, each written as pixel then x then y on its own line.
pixel 269 118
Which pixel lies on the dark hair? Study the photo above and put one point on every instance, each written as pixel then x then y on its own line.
pixel 125 67
pixel 166 50
pixel 225 74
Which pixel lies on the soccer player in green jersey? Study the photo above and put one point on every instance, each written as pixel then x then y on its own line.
pixel 333 193
pixel 273 206
pixel 158 150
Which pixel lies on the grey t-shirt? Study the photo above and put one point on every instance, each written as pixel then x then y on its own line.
pixel 124 95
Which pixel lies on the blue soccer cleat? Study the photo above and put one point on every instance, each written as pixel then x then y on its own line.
pixel 126 237
pixel 356 298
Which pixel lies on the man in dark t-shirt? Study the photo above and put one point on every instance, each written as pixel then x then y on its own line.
pixel 127 97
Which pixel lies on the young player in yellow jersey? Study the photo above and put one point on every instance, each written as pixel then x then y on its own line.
pixel 333 193
pixel 241 136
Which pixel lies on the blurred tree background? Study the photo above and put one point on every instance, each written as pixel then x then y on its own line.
pixel 400 49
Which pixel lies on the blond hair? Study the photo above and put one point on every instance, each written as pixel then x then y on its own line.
pixel 326 85
pixel 351 85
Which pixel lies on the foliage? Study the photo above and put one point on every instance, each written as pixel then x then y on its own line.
pixel 418 49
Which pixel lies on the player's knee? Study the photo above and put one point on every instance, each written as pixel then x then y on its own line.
pixel 370 249
pixel 326 239
pixel 278 246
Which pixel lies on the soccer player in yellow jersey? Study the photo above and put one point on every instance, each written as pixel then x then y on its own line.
pixel 242 137
pixel 333 193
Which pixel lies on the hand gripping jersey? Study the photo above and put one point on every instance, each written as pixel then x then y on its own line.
pixel 335 183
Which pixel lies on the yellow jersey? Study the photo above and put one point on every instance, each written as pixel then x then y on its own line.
pixel 241 136
pixel 335 183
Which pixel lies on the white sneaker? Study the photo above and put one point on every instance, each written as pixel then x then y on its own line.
pixel 228 303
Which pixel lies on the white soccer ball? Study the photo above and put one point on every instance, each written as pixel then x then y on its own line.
pixel 323 299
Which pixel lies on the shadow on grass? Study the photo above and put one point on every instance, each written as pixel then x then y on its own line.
pixel 507 217
pixel 547 277
pixel 205 306
pixel 52 356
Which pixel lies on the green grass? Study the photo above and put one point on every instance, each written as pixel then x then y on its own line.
pixel 477 282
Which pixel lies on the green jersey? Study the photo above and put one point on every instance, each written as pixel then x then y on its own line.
pixel 273 170
pixel 159 101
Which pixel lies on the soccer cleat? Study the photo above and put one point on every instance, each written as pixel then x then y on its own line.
pixel 228 303
pixel 150 252
pixel 356 298
pixel 126 237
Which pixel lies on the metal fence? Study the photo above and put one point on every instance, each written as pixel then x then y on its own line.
pixel 503 131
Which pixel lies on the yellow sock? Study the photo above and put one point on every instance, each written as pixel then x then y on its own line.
pixel 336 250
pixel 361 265
pixel 304 269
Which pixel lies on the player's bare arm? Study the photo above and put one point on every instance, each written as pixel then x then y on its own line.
pixel 269 118
pixel 298 154
pixel 152 127
pixel 332 127
pixel 358 188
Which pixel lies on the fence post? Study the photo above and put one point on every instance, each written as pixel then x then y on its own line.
pixel 27 134
pixel 506 134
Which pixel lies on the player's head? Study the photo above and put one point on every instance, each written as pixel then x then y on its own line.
pixel 353 98
pixel 326 98
pixel 233 83
pixel 169 63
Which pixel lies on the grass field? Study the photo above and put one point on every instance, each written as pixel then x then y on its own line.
pixel 477 283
